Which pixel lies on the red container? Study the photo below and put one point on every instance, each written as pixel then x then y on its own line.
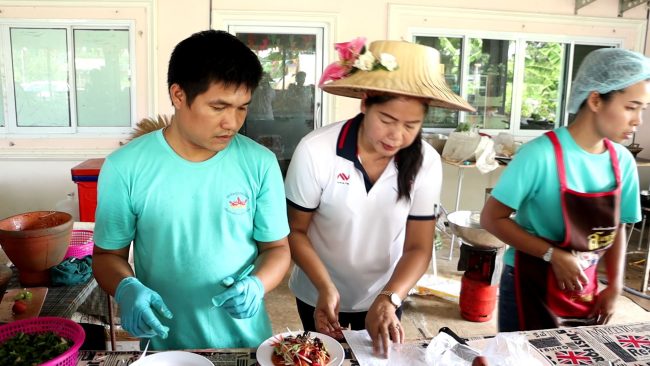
pixel 477 299
pixel 85 175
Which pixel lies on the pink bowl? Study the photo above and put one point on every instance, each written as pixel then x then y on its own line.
pixel 63 327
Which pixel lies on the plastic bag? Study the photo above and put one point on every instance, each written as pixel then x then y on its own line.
pixel 461 146
pixel 445 350
pixel 484 155
pixel 504 145
pixel 510 349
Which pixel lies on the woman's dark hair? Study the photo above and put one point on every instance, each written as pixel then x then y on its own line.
pixel 408 159
pixel 212 56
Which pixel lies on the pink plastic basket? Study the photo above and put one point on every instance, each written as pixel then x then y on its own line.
pixel 63 327
pixel 81 244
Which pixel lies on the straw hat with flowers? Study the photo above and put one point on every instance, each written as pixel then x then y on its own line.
pixel 394 67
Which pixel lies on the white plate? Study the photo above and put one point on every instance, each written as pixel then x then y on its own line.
pixel 173 358
pixel 265 350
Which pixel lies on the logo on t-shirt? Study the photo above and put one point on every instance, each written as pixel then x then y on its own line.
pixel 237 203
pixel 342 178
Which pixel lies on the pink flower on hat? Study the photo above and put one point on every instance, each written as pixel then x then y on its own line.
pixel 348 52
pixel 354 56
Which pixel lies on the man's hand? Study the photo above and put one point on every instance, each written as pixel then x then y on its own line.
pixel 137 305
pixel 243 299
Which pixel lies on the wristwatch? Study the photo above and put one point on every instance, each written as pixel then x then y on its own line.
pixel 549 253
pixel 394 298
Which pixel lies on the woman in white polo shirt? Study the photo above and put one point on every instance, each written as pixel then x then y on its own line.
pixel 362 192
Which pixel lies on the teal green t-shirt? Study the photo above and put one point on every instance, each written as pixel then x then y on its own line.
pixel 530 184
pixel 192 225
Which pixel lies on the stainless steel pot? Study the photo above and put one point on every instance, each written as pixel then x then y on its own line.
pixel 466 225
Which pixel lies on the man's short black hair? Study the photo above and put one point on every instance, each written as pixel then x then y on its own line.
pixel 209 57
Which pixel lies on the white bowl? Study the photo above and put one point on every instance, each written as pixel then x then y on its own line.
pixel 173 358
pixel 265 350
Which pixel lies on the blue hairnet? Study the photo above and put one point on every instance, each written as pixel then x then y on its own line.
pixel 605 70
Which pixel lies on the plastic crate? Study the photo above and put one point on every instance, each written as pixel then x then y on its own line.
pixel 81 244
pixel 63 327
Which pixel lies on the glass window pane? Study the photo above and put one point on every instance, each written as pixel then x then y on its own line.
pixel 489 82
pixel 282 109
pixel 40 66
pixel 102 72
pixel 543 87
pixel 2 101
pixel 450 50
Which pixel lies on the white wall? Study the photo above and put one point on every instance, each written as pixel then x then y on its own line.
pixel 32 185
pixel 35 173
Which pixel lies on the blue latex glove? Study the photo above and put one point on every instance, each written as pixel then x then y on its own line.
pixel 243 299
pixel 137 304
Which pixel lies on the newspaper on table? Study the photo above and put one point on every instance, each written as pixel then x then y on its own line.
pixel 625 344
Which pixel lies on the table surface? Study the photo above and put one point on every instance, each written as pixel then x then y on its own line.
pixel 60 301
pixel 621 344
pixel 224 357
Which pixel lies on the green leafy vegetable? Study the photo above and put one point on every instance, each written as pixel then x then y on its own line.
pixel 32 349
pixel 23 295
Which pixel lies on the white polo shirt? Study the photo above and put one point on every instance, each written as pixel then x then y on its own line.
pixel 358 228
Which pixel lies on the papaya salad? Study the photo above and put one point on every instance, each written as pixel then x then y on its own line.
pixel 300 350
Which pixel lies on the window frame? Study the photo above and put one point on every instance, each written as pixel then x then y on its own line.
pixel 520 40
pixel 318 31
pixel 226 19
pixel 10 127
pixel 406 21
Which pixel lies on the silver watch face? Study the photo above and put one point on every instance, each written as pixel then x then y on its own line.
pixel 547 255
pixel 395 299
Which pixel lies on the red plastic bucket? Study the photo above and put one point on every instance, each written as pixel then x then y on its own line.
pixel 477 299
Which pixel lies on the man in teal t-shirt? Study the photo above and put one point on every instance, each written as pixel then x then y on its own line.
pixel 201 204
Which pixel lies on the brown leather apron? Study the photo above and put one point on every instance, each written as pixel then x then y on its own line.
pixel 591 221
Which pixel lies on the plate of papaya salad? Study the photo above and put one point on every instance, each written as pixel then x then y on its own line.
pixel 300 349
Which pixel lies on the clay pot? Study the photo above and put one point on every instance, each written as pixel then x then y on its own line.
pixel 35 242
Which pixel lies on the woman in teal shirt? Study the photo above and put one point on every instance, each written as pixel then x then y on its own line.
pixel 573 190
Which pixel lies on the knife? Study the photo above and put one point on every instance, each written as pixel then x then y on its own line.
pixel 453 335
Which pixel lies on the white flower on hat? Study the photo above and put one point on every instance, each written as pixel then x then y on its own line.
pixel 388 61
pixel 365 62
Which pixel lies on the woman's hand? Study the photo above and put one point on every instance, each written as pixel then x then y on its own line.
pixel 383 326
pixel 568 272
pixel 326 314
pixel 605 305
